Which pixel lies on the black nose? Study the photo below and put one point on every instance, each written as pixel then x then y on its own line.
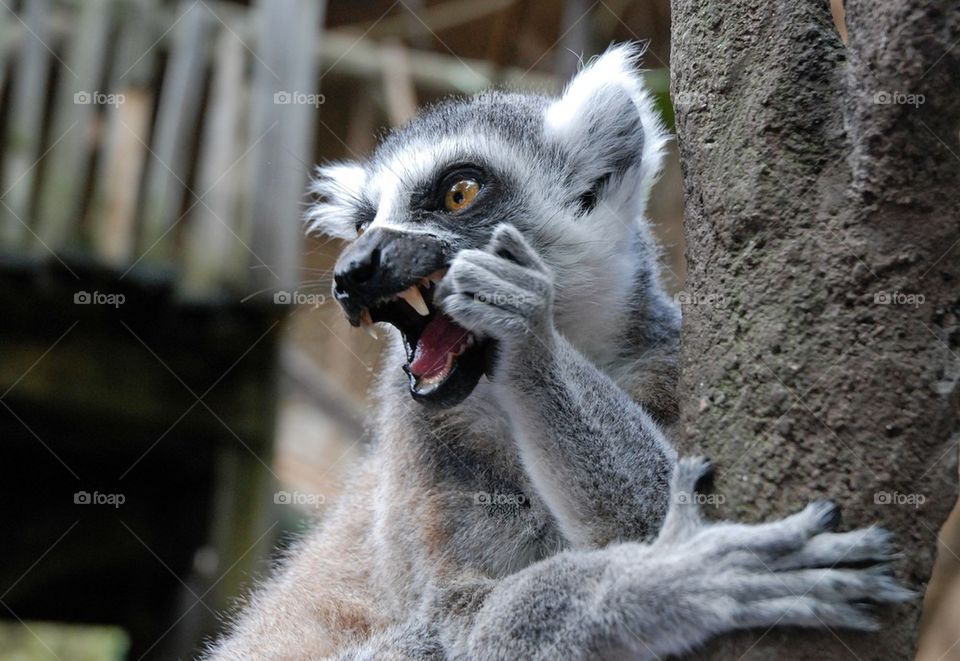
pixel 358 268
pixel 383 262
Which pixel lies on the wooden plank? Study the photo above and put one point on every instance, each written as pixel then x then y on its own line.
pixel 168 167
pixel 113 209
pixel 281 128
pixel 75 104
pixel 398 88
pixel 350 56
pixel 112 213
pixel 214 260
pixel 22 139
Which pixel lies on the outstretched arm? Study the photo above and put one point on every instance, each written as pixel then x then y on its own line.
pixel 651 601
pixel 596 457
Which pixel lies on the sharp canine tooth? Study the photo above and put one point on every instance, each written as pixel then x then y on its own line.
pixel 415 299
pixel 367 322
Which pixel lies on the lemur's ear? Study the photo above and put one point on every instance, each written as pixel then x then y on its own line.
pixel 338 189
pixel 607 122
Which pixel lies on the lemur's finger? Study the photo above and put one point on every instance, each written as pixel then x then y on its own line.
pixel 509 243
pixel 489 289
pixel 482 318
pixel 520 276
pixel 803 611
pixel 774 539
pixel 834 585
pixel 691 472
pixel 866 545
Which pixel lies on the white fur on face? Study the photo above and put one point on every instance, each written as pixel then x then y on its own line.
pixel 604 118
pixel 340 187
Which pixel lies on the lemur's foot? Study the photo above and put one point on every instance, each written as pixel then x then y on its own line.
pixel 795 571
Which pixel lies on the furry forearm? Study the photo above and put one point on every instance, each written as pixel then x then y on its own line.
pixel 596 457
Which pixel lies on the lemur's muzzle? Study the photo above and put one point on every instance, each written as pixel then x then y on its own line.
pixel 382 263
pixel 389 275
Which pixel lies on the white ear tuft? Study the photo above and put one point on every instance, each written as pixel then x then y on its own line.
pixel 608 119
pixel 339 189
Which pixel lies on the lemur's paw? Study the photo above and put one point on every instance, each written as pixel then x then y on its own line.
pixel 797 571
pixel 816 597
pixel 803 611
pixel 504 291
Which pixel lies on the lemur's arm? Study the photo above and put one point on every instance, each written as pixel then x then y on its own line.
pixel 596 457
pixel 650 601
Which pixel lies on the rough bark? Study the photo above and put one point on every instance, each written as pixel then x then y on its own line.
pixel 807 200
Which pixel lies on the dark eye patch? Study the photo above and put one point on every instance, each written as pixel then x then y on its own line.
pixel 430 196
pixel 366 212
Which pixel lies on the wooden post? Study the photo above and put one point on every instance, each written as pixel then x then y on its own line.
pixel 284 99
pixel 22 140
pixel 176 117
pixel 74 108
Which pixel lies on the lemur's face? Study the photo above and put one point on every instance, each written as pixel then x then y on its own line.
pixel 566 172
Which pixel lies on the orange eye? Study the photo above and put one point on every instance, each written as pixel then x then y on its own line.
pixel 461 195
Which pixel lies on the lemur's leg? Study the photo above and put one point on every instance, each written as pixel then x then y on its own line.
pixel 598 460
pixel 649 601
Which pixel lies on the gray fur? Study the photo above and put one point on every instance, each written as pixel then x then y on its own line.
pixel 547 516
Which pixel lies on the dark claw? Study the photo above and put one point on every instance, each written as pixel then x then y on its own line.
pixel 830 517
pixel 705 483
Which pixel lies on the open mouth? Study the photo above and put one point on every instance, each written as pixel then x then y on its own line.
pixel 444 360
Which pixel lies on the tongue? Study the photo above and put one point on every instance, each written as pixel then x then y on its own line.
pixel 441 336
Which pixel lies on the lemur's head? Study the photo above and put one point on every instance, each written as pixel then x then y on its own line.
pixel 572 173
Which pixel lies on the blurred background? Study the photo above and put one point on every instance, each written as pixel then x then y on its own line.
pixel 179 395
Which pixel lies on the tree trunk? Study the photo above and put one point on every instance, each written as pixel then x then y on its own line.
pixel 821 342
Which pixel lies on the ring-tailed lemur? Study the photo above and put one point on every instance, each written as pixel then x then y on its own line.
pixel 525 504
